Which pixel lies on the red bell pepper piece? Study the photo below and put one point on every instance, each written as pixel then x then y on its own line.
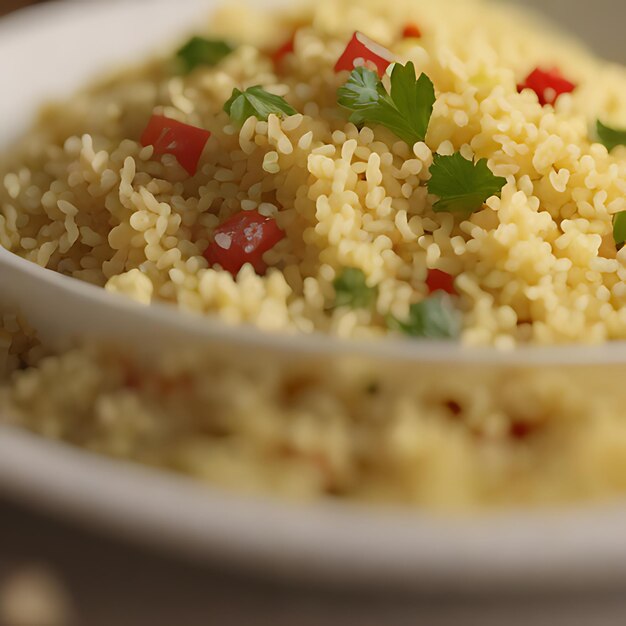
pixel 287 48
pixel 183 141
pixel 440 281
pixel 364 51
pixel 411 31
pixel 548 85
pixel 244 238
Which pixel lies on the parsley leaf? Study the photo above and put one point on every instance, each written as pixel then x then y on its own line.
pixel 433 318
pixel 406 110
pixel 200 51
pixel 619 229
pixel 610 137
pixel 362 90
pixel 351 289
pixel 258 102
pixel 462 186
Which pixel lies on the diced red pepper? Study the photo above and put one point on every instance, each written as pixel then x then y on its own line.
pixel 520 431
pixel 132 378
pixel 440 281
pixel 287 48
pixel 548 85
pixel 411 31
pixel 363 51
pixel 244 238
pixel 183 141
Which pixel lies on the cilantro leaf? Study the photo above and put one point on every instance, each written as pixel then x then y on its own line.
pixel 406 110
pixel 362 90
pixel 258 102
pixel 462 186
pixel 619 229
pixel 351 289
pixel 610 137
pixel 200 51
pixel 433 318
pixel 414 98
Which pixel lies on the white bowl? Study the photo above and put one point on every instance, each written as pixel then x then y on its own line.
pixel 49 52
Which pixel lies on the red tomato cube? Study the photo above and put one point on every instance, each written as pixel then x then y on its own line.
pixel 440 281
pixel 411 31
pixel 287 48
pixel 183 141
pixel 363 51
pixel 548 85
pixel 244 238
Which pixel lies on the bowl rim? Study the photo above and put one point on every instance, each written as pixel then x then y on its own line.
pixel 409 351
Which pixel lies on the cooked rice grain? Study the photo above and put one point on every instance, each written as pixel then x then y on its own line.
pixel 82 197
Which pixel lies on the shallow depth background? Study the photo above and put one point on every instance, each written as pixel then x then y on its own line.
pixel 601 22
pixel 113 583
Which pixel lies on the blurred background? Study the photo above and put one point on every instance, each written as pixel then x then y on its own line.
pixel 596 21
pixel 52 574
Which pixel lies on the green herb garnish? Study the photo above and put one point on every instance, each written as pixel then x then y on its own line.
pixel 200 51
pixel 406 110
pixel 433 318
pixel 619 229
pixel 258 102
pixel 610 137
pixel 352 290
pixel 462 186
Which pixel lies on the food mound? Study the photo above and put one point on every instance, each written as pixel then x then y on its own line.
pixel 446 170
pixel 436 169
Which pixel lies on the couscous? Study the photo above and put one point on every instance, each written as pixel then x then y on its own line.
pixel 445 170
